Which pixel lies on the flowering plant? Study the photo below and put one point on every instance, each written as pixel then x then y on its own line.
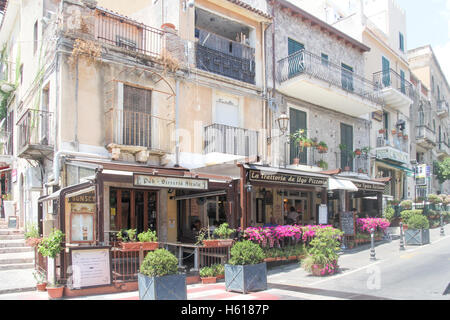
pixel 377 224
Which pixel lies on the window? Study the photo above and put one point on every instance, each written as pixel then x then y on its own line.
pixel 347 77
pixel 346 146
pixel 324 59
pixel 35 37
pixel 21 73
pixel 402 82
pixel 297 121
pixel 295 61
pixel 385 64
pixel 402 42
pixel 136 116
pixel 438 93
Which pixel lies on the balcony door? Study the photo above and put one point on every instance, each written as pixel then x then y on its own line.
pixel 347 77
pixel 347 141
pixel 136 116
pixel 297 122
pixel 295 61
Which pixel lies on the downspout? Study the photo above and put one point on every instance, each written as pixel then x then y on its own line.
pixel 177 114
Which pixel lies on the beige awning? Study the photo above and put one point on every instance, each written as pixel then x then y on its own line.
pixel 340 184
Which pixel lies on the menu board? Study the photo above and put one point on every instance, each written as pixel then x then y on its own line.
pixel 323 214
pixel 90 267
pixel 348 223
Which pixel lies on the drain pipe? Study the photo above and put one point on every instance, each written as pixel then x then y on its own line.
pixel 177 114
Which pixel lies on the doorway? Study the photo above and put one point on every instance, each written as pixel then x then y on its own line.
pixel 298 200
pixel 133 209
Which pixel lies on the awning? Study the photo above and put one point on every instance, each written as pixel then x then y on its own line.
pixel 339 184
pixel 53 196
pixel 201 195
pixel 396 166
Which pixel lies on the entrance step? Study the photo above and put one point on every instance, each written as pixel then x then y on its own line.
pixel 15 249
pixel 16 258
pixel 9 232
pixel 16 266
pixel 12 243
pixel 12 237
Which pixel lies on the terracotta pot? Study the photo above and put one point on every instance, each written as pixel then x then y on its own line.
pixel 210 243
pixel 149 245
pixel 55 292
pixel 316 269
pixel 225 242
pixel 220 276
pixel 208 280
pixel 270 259
pixel 130 246
pixel 278 258
pixel 405 227
pixel 168 25
pixel 41 286
pixel 292 258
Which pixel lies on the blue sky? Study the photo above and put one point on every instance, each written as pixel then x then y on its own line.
pixel 428 22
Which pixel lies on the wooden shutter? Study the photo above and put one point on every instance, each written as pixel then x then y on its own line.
pixel 297 121
pixel 295 62
pixel 386 72
pixel 136 116
pixel 347 140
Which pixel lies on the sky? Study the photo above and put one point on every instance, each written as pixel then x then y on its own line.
pixel 428 22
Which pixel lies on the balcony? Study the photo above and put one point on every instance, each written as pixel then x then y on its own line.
pixel 443 149
pixel 34 139
pixel 396 91
pixel 352 164
pixel 138 133
pixel 392 149
pixel 231 140
pixel 306 76
pixel 224 57
pixel 442 109
pixel 425 137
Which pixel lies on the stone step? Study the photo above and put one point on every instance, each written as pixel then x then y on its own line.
pixel 12 244
pixel 18 280
pixel 12 237
pixel 16 258
pixel 16 266
pixel 16 249
pixel 8 232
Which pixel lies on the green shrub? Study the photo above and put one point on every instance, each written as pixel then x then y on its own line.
pixel 147 236
pixel 51 245
pixel 389 213
pixel 219 269
pixel 159 263
pixel 206 272
pixel 223 232
pixel 406 214
pixel 433 198
pixel 418 221
pixel 324 248
pixel 406 204
pixel 127 235
pixel 32 232
pixel 245 253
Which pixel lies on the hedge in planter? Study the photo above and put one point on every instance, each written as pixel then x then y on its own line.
pixel 418 232
pixel 246 270
pixel 159 279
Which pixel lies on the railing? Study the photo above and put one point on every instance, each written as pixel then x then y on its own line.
pixel 394 141
pixel 225 64
pixel 139 129
pixel 391 79
pixel 231 140
pixel 443 147
pixel 425 133
pixel 125 264
pixel 34 128
pixel 442 107
pixel 128 34
pixel 304 62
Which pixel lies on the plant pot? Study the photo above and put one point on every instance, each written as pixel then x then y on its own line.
pixel 41 286
pixel 172 287
pixel 208 280
pixel 210 243
pixel 316 270
pixel 225 242
pixel 247 278
pixel 347 168
pixel 270 259
pixel 130 246
pixel 168 25
pixel 55 292
pixel 149 246
pixel 220 277
pixel 33 242
pixel 292 258
pixel 417 236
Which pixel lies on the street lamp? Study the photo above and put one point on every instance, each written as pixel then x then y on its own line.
pixel 283 123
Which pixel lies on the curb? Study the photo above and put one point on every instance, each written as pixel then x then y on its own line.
pixel 17 290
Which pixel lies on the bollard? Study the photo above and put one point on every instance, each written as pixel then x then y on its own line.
pixel 372 245
pixel 442 233
pixel 402 244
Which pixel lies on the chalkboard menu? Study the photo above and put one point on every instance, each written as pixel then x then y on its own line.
pixel 348 223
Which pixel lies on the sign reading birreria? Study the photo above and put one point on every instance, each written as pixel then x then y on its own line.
pixel 141 180
pixel 369 186
pixel 348 223
pixel 292 179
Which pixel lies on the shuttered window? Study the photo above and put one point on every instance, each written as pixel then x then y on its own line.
pixel 137 119
pixel 347 141
pixel 296 64
pixel 297 122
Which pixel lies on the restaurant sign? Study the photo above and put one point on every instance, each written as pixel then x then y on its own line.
pixel 141 180
pixel 369 186
pixel 293 179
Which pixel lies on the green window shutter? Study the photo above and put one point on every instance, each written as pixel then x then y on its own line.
pixel 347 140
pixel 347 77
pixel 295 62
pixel 386 72
pixel 297 122
pixel 402 80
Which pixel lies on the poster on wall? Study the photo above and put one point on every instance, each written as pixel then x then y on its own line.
pixel 82 213
pixel 91 267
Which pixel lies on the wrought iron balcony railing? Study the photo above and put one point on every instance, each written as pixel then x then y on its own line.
pixel 423 132
pixel 304 62
pixel 34 129
pixel 391 79
pixel 442 107
pixel 231 140
pixel 393 141
pixel 130 128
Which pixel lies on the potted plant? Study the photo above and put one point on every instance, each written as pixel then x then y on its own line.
pixel 322 164
pixel 300 137
pixel 41 280
pixel 148 240
pixel 50 247
pixel 382 131
pixel 207 274
pixel 224 233
pixel 323 252
pixel 357 152
pixel 158 278
pixel 418 232
pixel 32 237
pixel 406 204
pixel 270 255
pixel 127 240
pixel 219 271
pixel 322 147
pixel 246 270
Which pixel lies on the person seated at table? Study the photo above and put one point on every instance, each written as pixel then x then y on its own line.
pixel 292 216
pixel 196 226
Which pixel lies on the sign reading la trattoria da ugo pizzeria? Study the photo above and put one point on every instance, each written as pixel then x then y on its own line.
pixel 284 178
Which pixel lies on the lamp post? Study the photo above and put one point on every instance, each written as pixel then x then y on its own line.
pixel 283 123
pixel 402 244
pixel 372 245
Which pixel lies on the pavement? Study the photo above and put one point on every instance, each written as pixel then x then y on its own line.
pixel 353 282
